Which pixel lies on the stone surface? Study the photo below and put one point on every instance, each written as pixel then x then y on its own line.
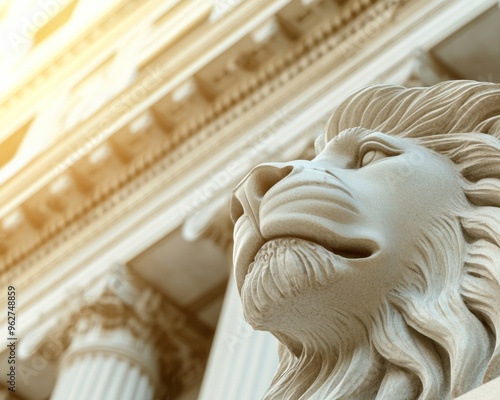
pixel 376 263
pixel 121 330
pixel 138 120
pixel 242 361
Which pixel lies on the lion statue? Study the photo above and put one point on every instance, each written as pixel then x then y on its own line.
pixel 377 264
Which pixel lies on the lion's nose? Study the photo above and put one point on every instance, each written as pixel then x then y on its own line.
pixel 248 194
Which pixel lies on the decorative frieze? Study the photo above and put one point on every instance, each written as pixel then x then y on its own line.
pixel 249 90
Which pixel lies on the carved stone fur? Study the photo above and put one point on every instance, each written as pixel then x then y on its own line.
pixel 377 264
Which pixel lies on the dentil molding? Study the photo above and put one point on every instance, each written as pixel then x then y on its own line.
pixel 42 218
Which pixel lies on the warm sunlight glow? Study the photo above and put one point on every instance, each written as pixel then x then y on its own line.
pixel 32 33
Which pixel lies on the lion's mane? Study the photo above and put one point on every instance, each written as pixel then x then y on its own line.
pixel 438 335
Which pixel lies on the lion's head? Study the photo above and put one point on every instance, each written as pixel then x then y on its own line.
pixel 377 264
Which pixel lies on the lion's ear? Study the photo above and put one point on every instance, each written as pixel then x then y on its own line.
pixel 329 133
pixel 319 144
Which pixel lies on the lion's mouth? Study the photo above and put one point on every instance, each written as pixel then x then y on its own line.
pixel 354 252
pixel 350 253
pixel 253 245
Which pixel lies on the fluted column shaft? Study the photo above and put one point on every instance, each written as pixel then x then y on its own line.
pixel 107 366
pixel 103 376
pixel 243 361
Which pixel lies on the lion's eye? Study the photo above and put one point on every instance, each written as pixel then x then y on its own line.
pixel 371 156
pixel 374 150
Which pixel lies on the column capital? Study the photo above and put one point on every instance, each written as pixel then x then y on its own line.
pixel 212 222
pixel 122 314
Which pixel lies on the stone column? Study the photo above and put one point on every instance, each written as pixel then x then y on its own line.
pixel 242 361
pixel 124 342
pixel 113 365
pixel 112 353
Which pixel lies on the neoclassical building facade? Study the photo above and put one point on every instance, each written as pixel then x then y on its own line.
pixel 125 126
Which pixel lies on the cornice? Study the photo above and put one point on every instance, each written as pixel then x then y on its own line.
pixel 224 109
pixel 181 62
pixel 155 80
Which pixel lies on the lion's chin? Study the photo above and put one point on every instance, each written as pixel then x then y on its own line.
pixel 286 268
